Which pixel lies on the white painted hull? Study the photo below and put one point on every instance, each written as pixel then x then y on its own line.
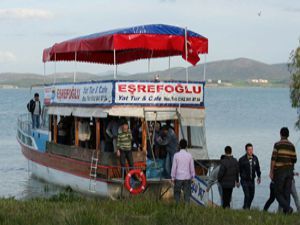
pixel 77 183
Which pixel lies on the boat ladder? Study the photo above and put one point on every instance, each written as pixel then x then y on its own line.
pixel 93 171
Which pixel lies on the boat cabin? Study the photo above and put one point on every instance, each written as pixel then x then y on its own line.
pixel 143 104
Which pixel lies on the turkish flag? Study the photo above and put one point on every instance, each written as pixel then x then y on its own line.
pixel 192 54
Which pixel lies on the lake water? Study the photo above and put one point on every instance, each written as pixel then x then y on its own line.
pixel 233 117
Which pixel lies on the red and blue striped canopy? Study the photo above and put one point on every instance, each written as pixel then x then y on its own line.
pixel 129 44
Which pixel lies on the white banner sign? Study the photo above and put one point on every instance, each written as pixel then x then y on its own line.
pixel 89 93
pixel 160 93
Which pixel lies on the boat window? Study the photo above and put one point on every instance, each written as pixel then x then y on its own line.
pixel 195 136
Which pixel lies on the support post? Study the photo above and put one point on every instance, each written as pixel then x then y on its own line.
pixel 204 68
pixel 76 132
pixel 98 134
pixel 170 68
pixel 176 128
pixel 54 68
pixel 189 136
pixel 50 123
pixel 55 129
pixel 75 69
pixel 144 135
pixel 44 72
pixel 115 65
pixel 186 54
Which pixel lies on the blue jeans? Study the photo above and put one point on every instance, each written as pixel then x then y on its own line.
pixel 35 121
pixel 249 190
pixel 168 165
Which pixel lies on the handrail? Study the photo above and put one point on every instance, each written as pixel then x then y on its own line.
pixel 24 123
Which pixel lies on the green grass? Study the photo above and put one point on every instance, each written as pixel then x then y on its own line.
pixel 72 210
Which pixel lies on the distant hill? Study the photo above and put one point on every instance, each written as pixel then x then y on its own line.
pixel 235 70
pixel 241 69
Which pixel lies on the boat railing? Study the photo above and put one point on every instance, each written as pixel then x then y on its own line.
pixel 25 123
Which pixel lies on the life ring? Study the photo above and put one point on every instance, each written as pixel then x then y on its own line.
pixel 139 174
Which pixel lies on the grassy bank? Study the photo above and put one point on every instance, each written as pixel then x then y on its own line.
pixel 67 209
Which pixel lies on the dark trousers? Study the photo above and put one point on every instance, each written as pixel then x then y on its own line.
pixel 226 198
pixel 271 198
pixel 184 185
pixel 123 156
pixel 283 179
pixel 249 190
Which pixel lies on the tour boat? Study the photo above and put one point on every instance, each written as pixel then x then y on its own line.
pixel 54 151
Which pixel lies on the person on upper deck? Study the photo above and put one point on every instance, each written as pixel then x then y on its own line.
pixel 34 107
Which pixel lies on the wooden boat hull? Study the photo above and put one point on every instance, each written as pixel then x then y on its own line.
pixel 73 173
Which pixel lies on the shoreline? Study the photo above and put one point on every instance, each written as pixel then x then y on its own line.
pixel 67 208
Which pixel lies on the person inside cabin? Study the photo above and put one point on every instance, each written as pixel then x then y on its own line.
pixel 169 125
pixel 34 107
pixel 108 142
pixel 112 131
pixel 136 136
pixel 154 130
pixel 169 140
pixel 124 139
pixel 102 136
pixel 84 132
pixel 62 131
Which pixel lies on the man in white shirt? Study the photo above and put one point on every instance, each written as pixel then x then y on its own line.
pixel 183 171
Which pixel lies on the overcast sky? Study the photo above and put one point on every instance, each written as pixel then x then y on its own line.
pixel 234 28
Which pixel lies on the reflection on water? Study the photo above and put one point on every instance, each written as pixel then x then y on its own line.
pixel 34 188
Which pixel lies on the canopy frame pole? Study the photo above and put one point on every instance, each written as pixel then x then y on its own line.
pixel 75 69
pixel 180 122
pixel 44 72
pixel 204 68
pixel 54 69
pixel 186 54
pixel 169 65
pixel 115 65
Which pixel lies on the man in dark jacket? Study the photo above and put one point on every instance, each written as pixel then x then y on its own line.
pixel 34 107
pixel 228 176
pixel 249 169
